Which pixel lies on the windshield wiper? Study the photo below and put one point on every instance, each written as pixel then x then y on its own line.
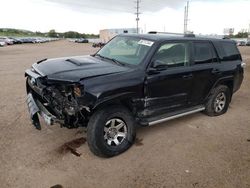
pixel 117 62
pixel 99 55
pixel 111 59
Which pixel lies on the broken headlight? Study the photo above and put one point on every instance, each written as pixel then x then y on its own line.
pixel 78 90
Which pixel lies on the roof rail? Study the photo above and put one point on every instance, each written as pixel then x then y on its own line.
pixel 213 36
pixel 190 35
pixel 173 34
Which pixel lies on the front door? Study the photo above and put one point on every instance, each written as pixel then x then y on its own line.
pixel 169 79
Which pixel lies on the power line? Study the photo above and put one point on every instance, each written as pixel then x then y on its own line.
pixel 137 13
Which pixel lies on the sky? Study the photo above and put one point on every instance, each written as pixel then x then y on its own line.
pixel 90 16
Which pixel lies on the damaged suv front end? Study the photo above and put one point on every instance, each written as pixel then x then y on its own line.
pixel 56 101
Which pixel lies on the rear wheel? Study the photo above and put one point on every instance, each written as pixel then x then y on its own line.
pixel 218 101
pixel 111 131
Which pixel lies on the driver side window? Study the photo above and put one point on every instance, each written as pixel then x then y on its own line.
pixel 172 55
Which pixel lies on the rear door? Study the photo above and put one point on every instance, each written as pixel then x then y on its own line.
pixel 231 61
pixel 206 69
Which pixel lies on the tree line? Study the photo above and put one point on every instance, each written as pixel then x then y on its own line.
pixel 240 35
pixel 70 34
pixel 52 33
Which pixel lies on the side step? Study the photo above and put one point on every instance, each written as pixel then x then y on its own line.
pixel 170 116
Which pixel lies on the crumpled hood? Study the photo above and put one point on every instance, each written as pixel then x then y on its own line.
pixel 74 69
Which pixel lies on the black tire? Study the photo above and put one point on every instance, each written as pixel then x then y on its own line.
pixel 95 132
pixel 211 103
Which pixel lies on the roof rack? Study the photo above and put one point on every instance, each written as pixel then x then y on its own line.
pixel 213 36
pixel 173 34
pixel 190 35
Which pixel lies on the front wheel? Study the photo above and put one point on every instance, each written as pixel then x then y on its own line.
pixel 111 131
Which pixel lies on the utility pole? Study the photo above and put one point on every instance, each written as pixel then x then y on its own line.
pixel 137 14
pixel 248 32
pixel 186 17
pixel 185 24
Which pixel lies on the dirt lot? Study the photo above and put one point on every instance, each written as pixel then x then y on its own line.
pixel 191 152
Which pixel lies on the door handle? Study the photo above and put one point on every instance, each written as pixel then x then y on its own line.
pixel 216 71
pixel 188 76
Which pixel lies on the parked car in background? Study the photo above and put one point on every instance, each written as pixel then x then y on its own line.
pixel 2 43
pixel 248 43
pixel 39 40
pixel 15 40
pixel 241 43
pixel 81 40
pixel 7 40
pixel 42 40
pixel 28 40
pixel 21 40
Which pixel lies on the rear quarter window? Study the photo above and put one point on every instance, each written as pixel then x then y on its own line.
pixel 227 51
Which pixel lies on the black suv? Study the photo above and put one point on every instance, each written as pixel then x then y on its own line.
pixel 134 80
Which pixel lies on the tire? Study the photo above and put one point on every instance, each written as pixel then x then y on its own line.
pixel 215 105
pixel 110 131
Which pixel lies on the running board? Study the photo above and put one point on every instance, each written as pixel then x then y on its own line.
pixel 176 116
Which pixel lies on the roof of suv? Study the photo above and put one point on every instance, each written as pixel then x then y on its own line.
pixel 164 37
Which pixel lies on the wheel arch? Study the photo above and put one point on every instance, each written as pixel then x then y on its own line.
pixel 124 99
pixel 229 84
pixel 227 81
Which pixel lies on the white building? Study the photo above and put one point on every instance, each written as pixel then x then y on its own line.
pixel 107 34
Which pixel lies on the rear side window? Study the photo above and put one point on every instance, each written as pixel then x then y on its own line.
pixel 204 53
pixel 227 51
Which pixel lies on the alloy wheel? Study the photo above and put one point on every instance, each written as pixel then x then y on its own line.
pixel 220 102
pixel 115 131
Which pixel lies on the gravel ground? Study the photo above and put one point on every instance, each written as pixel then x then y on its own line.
pixel 191 152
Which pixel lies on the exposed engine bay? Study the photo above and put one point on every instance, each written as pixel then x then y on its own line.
pixel 61 100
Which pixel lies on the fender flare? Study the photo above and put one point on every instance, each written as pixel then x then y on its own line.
pixel 218 82
pixel 114 99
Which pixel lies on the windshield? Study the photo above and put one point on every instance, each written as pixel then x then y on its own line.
pixel 126 50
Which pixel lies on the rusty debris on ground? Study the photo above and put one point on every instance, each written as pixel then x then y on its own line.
pixel 71 146
pixel 138 141
pixel 81 131
pixel 57 186
pixel 195 184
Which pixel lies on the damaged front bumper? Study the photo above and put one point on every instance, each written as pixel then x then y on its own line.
pixel 55 102
pixel 37 108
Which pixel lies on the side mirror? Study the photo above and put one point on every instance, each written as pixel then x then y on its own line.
pixel 159 65
pixel 156 67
